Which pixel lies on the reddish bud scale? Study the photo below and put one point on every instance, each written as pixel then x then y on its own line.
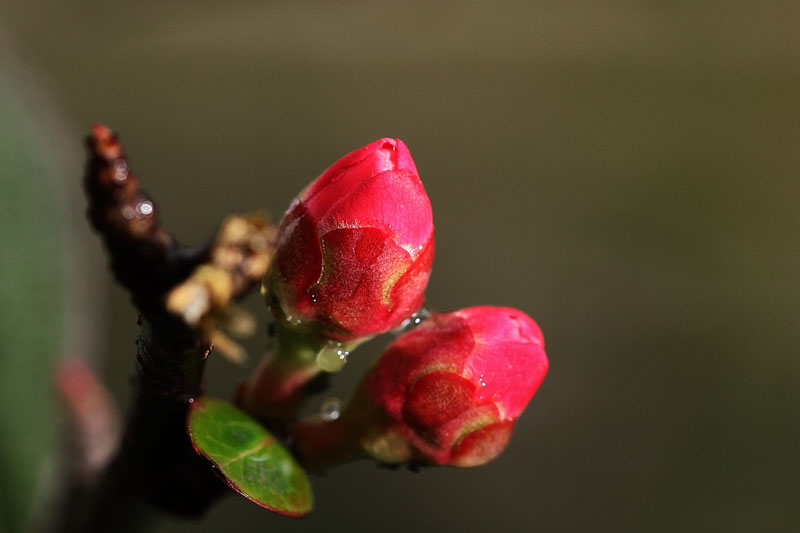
pixel 452 389
pixel 355 249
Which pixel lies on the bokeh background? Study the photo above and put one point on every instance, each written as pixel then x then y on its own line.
pixel 625 172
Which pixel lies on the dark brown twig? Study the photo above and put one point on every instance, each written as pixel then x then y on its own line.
pixel 178 291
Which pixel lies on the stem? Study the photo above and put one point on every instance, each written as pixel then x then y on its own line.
pixel 155 463
pixel 278 387
pixel 321 444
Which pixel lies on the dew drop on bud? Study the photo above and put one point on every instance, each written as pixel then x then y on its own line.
pixel 332 357
pixel 330 409
pixel 413 321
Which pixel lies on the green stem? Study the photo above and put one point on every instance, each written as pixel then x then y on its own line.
pixel 277 389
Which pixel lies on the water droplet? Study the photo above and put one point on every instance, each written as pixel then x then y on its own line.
pixel 292 322
pixel 332 357
pixel 120 170
pixel 128 212
pixel 413 321
pixel 144 209
pixel 314 297
pixel 330 409
pixel 482 382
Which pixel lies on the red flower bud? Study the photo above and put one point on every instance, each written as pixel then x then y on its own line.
pixel 452 389
pixel 355 249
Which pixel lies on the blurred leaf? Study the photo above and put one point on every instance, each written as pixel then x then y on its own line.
pixel 254 463
pixel 30 292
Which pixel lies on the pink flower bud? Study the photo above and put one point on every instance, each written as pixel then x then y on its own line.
pixel 451 390
pixel 355 249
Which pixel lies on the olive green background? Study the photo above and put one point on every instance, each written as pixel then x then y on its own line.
pixel 625 172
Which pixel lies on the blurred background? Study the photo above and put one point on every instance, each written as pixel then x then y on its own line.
pixel 625 172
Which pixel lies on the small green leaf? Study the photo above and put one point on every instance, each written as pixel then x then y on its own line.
pixel 253 462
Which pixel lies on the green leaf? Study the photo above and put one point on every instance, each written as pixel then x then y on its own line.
pixel 252 461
